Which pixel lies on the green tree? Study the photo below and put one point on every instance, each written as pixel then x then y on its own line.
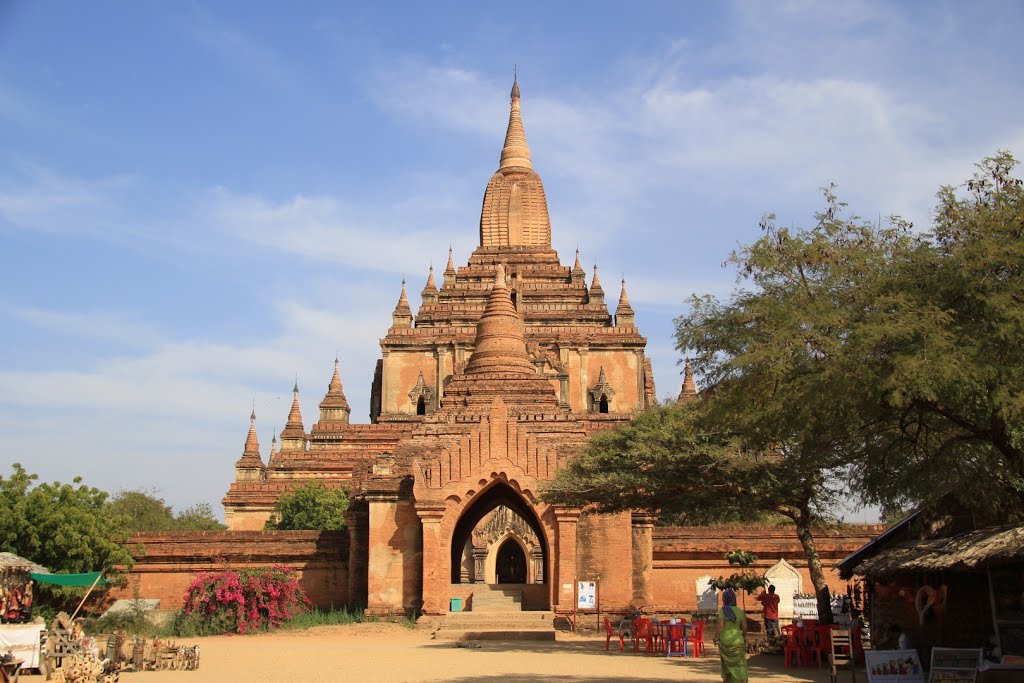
pixel 64 527
pixel 145 511
pixel 945 411
pixel 673 460
pixel 198 517
pixel 311 506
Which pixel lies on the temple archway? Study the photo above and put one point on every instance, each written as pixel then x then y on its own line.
pixel 501 495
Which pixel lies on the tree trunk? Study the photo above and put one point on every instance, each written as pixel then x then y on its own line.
pixel 803 532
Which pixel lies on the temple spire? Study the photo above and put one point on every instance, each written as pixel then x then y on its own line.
pixel 689 389
pixel 250 465
pixel 596 290
pixel 429 293
pixel 252 443
pixel 334 407
pixel 577 274
pixel 293 436
pixel 402 315
pixel 624 315
pixel 500 339
pixel 449 269
pixel 516 152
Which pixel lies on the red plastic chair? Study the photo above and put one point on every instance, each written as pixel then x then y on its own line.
pixel 609 633
pixel 642 631
pixel 658 630
pixel 698 638
pixel 818 643
pixel 792 648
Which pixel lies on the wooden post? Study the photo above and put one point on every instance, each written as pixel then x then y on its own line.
pixel 87 594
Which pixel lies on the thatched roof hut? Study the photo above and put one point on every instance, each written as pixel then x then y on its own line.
pixel 18 562
pixel 966 551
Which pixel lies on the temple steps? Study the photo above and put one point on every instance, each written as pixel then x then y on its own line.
pixel 492 599
pixel 497 625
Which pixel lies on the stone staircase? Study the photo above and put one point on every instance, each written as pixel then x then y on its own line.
pixel 496 613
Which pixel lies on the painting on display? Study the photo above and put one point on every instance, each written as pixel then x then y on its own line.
pixel 894 666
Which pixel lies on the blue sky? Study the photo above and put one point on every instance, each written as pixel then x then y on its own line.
pixel 200 201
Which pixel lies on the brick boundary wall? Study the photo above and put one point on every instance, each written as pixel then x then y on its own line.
pixel 166 562
pixel 684 554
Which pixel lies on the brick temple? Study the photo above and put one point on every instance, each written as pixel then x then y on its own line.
pixel 478 398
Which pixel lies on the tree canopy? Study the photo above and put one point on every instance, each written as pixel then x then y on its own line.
pixel 311 506
pixel 887 357
pixel 853 359
pixel 64 527
pixel 145 511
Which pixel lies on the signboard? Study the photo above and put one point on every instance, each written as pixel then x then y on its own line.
pixel 894 666
pixel 588 599
pixel 805 608
pixel 586 595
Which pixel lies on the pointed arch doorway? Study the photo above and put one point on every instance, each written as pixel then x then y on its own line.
pixel 499 540
pixel 510 563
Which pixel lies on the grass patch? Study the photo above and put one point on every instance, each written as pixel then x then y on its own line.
pixel 318 617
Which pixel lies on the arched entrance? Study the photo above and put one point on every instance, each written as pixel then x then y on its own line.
pixel 510 565
pixel 513 559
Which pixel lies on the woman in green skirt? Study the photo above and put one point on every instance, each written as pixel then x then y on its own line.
pixel 732 643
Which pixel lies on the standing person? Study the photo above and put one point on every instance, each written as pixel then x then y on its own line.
pixel 770 601
pixel 732 643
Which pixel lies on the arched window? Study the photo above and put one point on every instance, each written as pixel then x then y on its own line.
pixel 603 406
pixel 421 407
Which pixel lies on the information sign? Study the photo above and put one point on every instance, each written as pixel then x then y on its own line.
pixel 586 595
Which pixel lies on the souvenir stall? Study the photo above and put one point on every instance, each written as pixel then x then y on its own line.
pixel 18 634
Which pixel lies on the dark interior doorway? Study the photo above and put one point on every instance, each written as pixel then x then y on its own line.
pixel 510 566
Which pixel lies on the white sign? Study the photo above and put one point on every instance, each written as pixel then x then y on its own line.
pixel 805 608
pixel 894 666
pixel 586 595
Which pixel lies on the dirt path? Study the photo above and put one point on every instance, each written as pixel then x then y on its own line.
pixel 381 653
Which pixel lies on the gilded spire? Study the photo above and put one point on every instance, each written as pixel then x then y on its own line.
pixel 689 390
pixel 624 312
pixel 516 151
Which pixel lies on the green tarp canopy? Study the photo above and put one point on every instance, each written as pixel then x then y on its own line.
pixel 82 580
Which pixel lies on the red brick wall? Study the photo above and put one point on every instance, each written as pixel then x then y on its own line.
pixel 604 546
pixel 166 562
pixel 683 554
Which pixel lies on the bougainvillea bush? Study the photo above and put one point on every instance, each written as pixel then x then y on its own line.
pixel 241 602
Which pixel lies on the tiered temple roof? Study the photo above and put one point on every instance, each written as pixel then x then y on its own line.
pixel 505 337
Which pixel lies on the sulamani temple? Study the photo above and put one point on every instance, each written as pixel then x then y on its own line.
pixel 510 364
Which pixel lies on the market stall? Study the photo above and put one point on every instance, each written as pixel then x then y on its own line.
pixel 18 635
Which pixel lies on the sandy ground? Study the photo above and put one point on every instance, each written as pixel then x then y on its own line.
pixel 392 652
